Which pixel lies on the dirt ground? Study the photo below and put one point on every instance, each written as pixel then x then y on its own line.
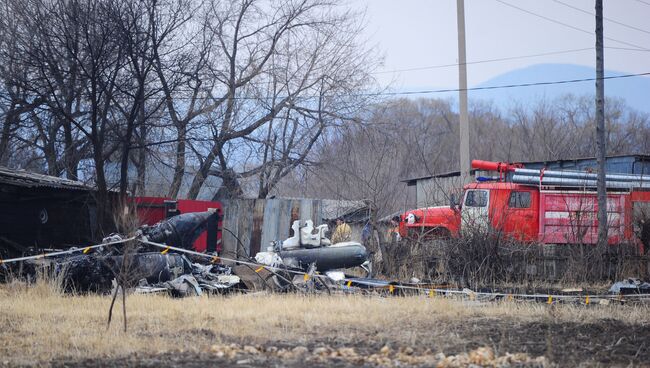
pixel 568 344
pixel 40 328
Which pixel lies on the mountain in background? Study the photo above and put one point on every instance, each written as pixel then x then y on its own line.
pixel 634 90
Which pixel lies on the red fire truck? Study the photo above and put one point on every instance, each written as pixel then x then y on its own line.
pixel 547 207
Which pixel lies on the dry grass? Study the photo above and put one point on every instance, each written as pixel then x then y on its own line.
pixel 41 325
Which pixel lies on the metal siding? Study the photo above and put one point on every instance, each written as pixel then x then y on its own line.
pixel 270 227
pixel 317 211
pixel 306 211
pixel 230 215
pixel 284 219
pixel 259 222
pixel 245 224
pixel 623 165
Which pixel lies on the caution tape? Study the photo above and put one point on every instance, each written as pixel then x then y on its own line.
pixel 83 250
pixel 550 298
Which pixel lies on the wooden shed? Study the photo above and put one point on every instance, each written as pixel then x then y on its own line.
pixel 41 211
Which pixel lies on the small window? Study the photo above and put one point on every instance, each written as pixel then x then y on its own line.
pixel 476 198
pixel 519 200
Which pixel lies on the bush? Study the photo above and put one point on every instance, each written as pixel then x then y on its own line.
pixel 482 258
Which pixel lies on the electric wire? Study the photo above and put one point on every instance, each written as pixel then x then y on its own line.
pixel 605 18
pixel 567 25
pixel 532 84
pixel 446 90
pixel 484 61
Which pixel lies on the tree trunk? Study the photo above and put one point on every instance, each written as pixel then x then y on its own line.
pixel 202 174
pixel 68 156
pixel 124 163
pixel 10 120
pixel 179 168
pixel 142 158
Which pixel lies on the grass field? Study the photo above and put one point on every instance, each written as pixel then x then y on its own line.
pixel 43 327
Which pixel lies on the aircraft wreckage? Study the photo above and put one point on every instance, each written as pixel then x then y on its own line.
pixel 141 266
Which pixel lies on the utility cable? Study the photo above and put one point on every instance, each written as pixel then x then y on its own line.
pixel 607 19
pixel 508 85
pixel 405 93
pixel 567 25
pixel 485 61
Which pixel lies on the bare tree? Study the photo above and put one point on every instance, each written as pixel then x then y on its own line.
pixel 287 66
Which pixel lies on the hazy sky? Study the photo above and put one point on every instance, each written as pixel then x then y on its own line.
pixel 422 33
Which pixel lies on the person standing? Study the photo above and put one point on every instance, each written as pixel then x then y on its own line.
pixel 366 234
pixel 342 232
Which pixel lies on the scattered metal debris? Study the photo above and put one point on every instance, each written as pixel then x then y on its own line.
pixel 180 230
pixel 305 262
pixel 630 286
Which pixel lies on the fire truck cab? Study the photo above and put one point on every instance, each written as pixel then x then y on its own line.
pixel 509 207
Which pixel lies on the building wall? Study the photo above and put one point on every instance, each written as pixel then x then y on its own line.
pixel 45 217
pixel 622 165
pixel 437 191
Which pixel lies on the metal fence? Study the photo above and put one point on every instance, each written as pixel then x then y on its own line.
pixel 251 224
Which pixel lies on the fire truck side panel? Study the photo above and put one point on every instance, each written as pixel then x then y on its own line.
pixel 571 217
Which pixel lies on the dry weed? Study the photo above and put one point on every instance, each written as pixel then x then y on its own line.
pixel 40 324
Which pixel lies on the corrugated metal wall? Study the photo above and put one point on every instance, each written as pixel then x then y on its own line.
pixel 249 225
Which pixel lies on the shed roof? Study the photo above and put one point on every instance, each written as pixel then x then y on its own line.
pixel 29 179
pixel 349 211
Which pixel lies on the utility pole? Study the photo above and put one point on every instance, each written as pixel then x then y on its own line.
pixel 462 94
pixel 601 144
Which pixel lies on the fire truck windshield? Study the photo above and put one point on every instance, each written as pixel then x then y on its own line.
pixel 476 198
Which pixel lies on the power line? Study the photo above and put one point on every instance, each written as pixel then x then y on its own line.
pixel 485 61
pixel 569 81
pixel 439 66
pixel 405 93
pixel 607 19
pixel 625 48
pixel 567 25
pixel 644 2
